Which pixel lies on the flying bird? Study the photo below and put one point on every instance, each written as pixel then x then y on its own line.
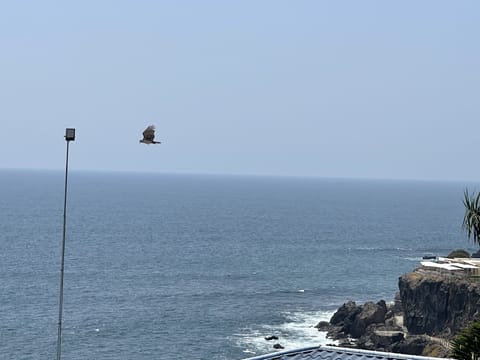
pixel 149 135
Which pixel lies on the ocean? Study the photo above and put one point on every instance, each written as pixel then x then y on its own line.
pixel 164 266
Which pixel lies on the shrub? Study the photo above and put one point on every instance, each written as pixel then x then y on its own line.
pixel 466 345
pixel 458 254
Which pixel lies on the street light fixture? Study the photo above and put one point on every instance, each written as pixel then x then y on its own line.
pixel 69 136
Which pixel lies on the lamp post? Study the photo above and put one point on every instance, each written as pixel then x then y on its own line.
pixel 69 136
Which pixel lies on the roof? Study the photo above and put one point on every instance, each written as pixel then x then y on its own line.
pixel 439 265
pixel 337 353
pixel 452 264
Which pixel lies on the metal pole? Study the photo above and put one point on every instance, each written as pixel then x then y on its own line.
pixel 68 137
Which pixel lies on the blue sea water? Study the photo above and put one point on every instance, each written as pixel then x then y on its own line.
pixel 204 267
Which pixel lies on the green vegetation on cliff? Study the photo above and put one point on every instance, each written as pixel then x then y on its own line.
pixel 459 254
pixel 466 345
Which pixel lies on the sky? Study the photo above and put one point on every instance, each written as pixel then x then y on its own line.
pixel 337 89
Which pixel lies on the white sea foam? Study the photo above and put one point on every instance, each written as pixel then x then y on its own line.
pixel 297 331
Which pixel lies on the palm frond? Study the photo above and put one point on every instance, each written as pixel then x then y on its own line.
pixel 471 219
pixel 466 345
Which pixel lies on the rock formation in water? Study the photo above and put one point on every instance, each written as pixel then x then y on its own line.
pixel 431 307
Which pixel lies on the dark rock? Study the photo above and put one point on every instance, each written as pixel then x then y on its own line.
pixel 386 338
pixel 390 321
pixel 379 337
pixel 352 319
pixel 278 346
pixel 336 333
pixel 370 313
pixel 345 313
pixel 324 326
pixel 412 345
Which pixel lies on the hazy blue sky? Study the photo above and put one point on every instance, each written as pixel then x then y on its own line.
pixel 378 89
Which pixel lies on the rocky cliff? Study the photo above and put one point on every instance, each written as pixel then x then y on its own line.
pixel 378 327
pixel 438 303
pixel 431 307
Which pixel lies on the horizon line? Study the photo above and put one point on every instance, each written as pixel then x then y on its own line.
pixel 249 175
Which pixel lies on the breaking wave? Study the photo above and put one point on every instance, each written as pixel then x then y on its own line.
pixel 297 331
